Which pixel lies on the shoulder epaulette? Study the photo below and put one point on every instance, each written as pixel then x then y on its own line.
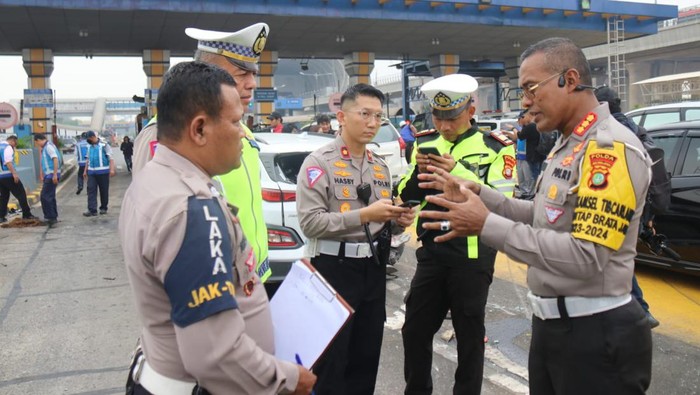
pixel 426 132
pixel 501 138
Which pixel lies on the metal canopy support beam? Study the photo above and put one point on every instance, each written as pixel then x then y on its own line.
pixel 156 63
pixel 267 65
pixel 359 66
pixel 38 63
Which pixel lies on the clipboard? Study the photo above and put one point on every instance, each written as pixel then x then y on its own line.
pixel 307 314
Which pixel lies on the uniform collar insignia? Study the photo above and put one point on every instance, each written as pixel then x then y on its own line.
pixel 585 124
pixel 370 159
pixel 344 152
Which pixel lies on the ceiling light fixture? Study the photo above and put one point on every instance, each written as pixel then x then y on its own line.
pixel 435 41
pixel 340 38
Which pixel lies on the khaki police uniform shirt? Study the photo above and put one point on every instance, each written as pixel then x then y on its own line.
pixel 579 235
pixel 204 312
pixel 327 199
pixel 142 147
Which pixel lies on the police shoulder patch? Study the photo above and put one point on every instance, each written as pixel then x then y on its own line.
pixel 426 132
pixel 313 174
pixel 200 281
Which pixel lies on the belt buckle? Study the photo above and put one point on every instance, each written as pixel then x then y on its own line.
pixel 363 250
pixel 536 310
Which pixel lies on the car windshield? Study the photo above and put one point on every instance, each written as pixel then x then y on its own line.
pixel 385 134
pixel 283 167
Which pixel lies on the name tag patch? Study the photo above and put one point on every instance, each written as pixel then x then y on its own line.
pixel 606 200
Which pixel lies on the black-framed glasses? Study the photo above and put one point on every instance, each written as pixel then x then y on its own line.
pixel 529 91
pixel 366 115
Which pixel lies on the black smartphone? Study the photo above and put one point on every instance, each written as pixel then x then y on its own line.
pixel 410 203
pixel 429 150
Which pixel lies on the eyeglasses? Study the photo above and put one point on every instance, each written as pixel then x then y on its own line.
pixel 529 92
pixel 378 116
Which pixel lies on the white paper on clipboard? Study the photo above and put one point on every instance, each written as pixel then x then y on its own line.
pixel 307 314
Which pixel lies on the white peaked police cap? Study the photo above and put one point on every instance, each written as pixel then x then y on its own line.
pixel 242 48
pixel 450 95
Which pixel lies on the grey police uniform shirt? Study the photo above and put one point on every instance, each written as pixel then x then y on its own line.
pixel 579 235
pixel 204 312
pixel 327 200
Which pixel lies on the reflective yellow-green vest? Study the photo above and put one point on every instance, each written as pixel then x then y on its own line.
pixel 480 157
pixel 241 188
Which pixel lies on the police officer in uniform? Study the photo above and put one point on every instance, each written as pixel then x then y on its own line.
pixel 205 315
pixel 98 169
pixel 10 182
pixel 238 54
pixel 578 236
pixel 454 276
pixel 343 193
pixel 49 173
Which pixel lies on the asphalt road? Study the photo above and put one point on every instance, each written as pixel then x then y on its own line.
pixel 68 325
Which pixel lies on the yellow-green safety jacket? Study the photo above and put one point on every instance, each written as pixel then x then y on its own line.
pixel 249 203
pixel 484 157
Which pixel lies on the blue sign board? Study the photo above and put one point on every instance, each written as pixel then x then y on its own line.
pixel 289 103
pixel 265 95
pixel 38 98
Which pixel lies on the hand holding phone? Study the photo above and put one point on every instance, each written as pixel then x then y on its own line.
pixel 410 203
pixel 429 150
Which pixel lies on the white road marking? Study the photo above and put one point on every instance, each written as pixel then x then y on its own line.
pixel 508 383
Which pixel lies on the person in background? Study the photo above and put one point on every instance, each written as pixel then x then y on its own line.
pixel 10 182
pixel 605 94
pixel 81 149
pixel 408 134
pixel 127 148
pixel 100 167
pixel 276 125
pixel 534 158
pixel 526 183
pixel 206 323
pixel 324 124
pixel 49 173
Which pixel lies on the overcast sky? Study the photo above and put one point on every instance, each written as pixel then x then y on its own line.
pixel 77 77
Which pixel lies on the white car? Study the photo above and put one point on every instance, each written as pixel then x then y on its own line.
pixel 496 124
pixel 389 145
pixel 665 113
pixel 281 157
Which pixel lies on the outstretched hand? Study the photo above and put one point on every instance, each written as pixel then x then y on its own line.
pixel 450 185
pixel 465 217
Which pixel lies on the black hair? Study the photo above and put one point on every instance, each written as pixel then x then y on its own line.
pixel 11 137
pixel 361 90
pixel 606 94
pixel 561 54
pixel 39 136
pixel 188 88
pixel 323 118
